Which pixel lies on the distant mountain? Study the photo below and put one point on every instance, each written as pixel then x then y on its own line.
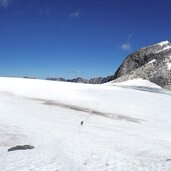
pixel 78 79
pixel 152 63
pixel 98 80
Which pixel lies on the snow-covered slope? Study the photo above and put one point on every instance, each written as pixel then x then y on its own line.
pixel 136 83
pixel 126 126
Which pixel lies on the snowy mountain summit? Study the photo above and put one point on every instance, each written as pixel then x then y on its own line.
pixel 152 63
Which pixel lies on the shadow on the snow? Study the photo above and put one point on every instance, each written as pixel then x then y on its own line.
pixel 87 110
pixel 149 89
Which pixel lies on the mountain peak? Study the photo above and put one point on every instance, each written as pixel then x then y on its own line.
pixel 151 63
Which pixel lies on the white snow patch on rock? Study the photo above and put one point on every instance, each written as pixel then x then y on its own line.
pixel 152 61
pixel 165 48
pixel 169 65
pixel 163 43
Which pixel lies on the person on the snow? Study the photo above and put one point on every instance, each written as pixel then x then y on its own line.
pixel 82 122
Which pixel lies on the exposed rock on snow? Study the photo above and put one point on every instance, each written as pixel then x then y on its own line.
pixel 168 160
pixel 21 147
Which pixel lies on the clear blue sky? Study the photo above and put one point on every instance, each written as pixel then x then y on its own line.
pixel 70 38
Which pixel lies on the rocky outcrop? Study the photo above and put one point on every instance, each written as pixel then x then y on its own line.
pixel 142 57
pixel 21 147
pixel 152 63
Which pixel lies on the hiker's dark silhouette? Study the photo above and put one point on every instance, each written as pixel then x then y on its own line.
pixel 82 122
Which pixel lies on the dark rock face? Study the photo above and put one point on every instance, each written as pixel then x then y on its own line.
pixel 107 79
pixel 140 58
pixel 151 63
pixel 21 147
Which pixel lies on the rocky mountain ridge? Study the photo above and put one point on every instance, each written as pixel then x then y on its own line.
pixel 97 80
pixel 152 63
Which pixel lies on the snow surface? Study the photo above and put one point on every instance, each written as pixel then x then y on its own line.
pixel 139 82
pixel 126 128
pixel 163 43
pixel 169 65
pixel 152 61
pixel 165 48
